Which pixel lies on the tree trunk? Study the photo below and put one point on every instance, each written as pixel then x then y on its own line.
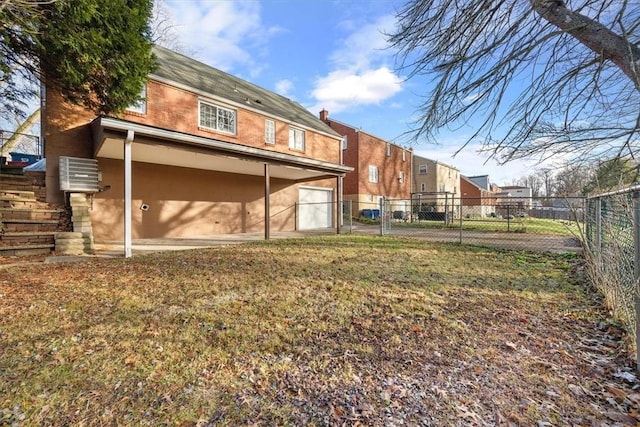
pixel 23 128
pixel 594 35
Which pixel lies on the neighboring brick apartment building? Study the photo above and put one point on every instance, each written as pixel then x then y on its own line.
pixel 380 169
pixel 435 185
pixel 478 199
pixel 205 153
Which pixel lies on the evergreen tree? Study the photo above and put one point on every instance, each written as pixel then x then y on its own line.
pixel 612 173
pixel 95 52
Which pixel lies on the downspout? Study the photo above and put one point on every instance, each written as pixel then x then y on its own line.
pixel 267 203
pixel 339 194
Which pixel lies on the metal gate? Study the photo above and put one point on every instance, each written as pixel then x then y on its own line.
pixel 385 216
pixel 539 224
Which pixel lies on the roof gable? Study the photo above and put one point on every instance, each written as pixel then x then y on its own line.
pixel 472 183
pixel 189 72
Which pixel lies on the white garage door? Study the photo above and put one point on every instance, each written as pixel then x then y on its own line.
pixel 314 208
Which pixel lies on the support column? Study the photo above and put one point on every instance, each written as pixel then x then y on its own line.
pixel 128 144
pixel 267 214
pixel 338 204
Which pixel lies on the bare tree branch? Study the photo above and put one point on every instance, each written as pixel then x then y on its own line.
pixel 594 35
pixel 537 78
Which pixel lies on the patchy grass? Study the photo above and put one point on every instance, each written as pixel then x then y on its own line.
pixel 515 225
pixel 321 331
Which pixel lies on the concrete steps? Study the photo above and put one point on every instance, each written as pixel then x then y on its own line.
pixel 28 226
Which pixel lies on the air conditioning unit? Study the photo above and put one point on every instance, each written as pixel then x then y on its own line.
pixel 77 174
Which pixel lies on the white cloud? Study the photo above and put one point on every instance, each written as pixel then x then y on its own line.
pixel 341 89
pixel 365 45
pixel 360 75
pixel 221 33
pixel 283 87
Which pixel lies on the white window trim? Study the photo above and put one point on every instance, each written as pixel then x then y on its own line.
pixel 373 174
pixel 140 106
pixel 423 187
pixel 269 131
pixel 217 107
pixel 404 155
pixel 388 149
pixel 420 167
pixel 401 177
pixel 344 142
pixel 292 145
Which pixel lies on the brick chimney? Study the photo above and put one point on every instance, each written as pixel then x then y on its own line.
pixel 324 115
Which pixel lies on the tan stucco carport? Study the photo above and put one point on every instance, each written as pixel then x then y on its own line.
pixel 132 142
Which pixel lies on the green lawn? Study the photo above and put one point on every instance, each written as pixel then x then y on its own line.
pixel 340 330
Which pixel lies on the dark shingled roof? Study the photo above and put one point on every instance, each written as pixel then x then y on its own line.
pixel 194 74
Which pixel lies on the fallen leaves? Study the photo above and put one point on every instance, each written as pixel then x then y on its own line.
pixel 345 331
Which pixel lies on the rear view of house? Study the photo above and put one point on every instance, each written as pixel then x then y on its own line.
pixel 204 153
pixel 380 169
pixel 436 186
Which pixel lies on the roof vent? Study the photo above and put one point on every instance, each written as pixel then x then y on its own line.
pixel 77 174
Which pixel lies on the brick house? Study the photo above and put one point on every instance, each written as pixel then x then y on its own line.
pixel 205 153
pixel 478 199
pixel 381 169
pixel 435 185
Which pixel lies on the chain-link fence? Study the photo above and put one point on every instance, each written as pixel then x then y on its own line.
pixel 542 224
pixel 19 149
pixel 612 253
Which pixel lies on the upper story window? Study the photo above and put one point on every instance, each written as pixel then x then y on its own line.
pixel 269 131
pixel 217 118
pixel 141 105
pixel 373 173
pixel 423 187
pixel 422 169
pixel 344 142
pixel 296 139
pixel 404 155
pixel 388 149
pixel 401 177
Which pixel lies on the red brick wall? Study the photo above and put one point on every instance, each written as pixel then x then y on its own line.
pixel 474 196
pixel 66 130
pixel 373 151
pixel 349 156
pixel 169 107
pixel 364 150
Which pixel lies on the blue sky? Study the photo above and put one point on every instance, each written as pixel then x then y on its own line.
pixel 328 54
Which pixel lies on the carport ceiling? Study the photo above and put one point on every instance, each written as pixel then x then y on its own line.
pixel 112 148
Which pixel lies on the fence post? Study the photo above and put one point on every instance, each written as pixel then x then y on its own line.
pixel 636 268
pixel 598 236
pixel 381 207
pixel 446 209
pixel 460 210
